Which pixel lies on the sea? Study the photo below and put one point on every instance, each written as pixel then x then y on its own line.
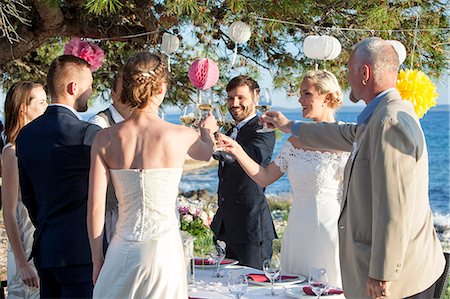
pixel 435 125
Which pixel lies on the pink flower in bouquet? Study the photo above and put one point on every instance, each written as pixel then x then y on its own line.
pixel 88 51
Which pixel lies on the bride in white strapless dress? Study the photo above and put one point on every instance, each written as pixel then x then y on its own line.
pixel 143 259
pixel 143 156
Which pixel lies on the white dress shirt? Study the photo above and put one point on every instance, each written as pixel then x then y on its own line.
pixel 101 122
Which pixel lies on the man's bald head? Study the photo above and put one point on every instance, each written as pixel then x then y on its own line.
pixel 380 56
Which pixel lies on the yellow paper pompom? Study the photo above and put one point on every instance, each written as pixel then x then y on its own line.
pixel 416 87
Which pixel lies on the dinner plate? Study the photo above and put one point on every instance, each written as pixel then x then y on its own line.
pixel 285 280
pixel 298 293
pixel 205 263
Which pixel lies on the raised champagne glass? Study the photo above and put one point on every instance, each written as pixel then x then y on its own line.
pixel 188 115
pixel 205 101
pixel 264 104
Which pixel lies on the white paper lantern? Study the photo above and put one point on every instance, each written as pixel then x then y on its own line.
pixel 399 48
pixel 322 47
pixel 170 43
pixel 239 32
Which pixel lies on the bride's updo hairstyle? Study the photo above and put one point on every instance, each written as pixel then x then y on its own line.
pixel 142 77
pixel 326 82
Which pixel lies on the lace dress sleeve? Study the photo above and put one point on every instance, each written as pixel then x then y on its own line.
pixel 281 161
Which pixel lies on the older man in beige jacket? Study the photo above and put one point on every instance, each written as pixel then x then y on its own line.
pixel 387 243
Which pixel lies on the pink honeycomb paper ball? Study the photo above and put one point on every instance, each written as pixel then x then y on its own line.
pixel 203 73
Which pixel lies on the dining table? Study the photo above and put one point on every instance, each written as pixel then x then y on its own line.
pixel 205 286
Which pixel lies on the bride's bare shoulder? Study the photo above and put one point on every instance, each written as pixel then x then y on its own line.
pixel 296 143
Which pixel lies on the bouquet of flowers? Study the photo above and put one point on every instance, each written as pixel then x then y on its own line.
pixel 193 218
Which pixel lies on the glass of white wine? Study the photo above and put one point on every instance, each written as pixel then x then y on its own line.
pixel 205 101
pixel 264 105
pixel 188 115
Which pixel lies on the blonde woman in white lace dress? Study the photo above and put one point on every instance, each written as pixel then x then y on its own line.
pixel 310 239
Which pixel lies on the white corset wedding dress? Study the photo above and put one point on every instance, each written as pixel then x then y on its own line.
pixel 145 257
pixel 310 239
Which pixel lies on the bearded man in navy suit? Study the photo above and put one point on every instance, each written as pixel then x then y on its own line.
pixel 53 155
pixel 243 219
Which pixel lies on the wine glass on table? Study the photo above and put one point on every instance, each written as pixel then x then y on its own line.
pixel 264 105
pixel 318 280
pixel 237 284
pixel 188 115
pixel 217 255
pixel 272 269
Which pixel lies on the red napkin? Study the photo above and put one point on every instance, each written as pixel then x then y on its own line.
pixel 257 277
pixel 208 262
pixel 330 291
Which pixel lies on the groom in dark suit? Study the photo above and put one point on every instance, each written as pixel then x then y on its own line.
pixel 53 155
pixel 243 219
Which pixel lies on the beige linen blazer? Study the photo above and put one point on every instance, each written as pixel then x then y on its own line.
pixel 385 227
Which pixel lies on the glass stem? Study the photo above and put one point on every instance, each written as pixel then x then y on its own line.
pixel 272 293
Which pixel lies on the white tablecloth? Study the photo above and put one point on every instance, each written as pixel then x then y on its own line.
pixel 206 287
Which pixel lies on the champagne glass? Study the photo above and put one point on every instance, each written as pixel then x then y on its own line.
pixel 188 115
pixel 264 105
pixel 318 280
pixel 237 284
pixel 217 255
pixel 205 101
pixel 219 115
pixel 271 268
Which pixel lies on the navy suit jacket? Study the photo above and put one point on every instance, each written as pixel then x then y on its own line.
pixel 53 154
pixel 243 212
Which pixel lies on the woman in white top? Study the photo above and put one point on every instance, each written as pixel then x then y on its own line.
pixel 144 156
pixel 310 239
pixel 24 102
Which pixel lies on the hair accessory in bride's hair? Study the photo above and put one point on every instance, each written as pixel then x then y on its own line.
pixel 148 74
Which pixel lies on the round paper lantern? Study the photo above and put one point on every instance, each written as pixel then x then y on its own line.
pixel 399 48
pixel 239 32
pixel 170 43
pixel 322 47
pixel 203 73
